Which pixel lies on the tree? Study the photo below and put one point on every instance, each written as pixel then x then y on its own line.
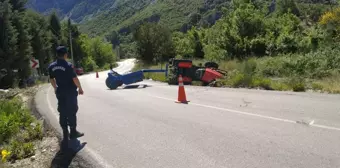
pixel 330 21
pixel 18 5
pixel 41 41
pixel 183 44
pixel 113 38
pixel 154 43
pixel 287 6
pixel 8 40
pixel 24 45
pixel 194 19
pixel 198 51
pixel 55 27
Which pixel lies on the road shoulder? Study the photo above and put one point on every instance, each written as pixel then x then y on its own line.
pixel 84 158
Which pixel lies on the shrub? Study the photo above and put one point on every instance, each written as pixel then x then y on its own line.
pixel 18 129
pixel 262 82
pixel 297 84
pixel 280 86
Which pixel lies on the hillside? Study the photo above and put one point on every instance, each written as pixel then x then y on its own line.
pixel 77 10
pixel 176 15
pixel 101 17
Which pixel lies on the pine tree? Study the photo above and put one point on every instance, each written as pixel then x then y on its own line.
pixel 55 27
pixel 18 5
pixel 41 39
pixel 8 40
pixel 24 45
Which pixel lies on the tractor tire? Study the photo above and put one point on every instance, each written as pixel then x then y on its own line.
pixel 111 84
pixel 172 81
pixel 211 65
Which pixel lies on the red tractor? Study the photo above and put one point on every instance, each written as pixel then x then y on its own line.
pixel 207 74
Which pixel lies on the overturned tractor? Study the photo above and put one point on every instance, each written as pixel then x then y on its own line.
pixel 207 74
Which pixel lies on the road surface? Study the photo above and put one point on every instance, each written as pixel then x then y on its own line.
pixel 144 127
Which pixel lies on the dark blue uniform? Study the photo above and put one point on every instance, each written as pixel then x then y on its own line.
pixel 63 72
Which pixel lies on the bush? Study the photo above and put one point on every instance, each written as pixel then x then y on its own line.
pixel 313 65
pixel 280 86
pixel 262 83
pixel 18 128
pixel 238 79
pixel 20 150
pixel 328 84
pixel 317 86
pixel 297 84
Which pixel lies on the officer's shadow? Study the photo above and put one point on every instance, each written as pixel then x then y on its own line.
pixel 63 159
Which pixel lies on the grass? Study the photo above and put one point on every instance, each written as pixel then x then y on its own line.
pixel 18 130
pixel 154 76
pixel 329 84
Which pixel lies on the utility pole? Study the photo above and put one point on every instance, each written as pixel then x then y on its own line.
pixel 71 48
pixel 70 36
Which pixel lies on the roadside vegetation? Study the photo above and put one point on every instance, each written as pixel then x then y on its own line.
pixel 26 35
pixel 18 128
pixel 293 46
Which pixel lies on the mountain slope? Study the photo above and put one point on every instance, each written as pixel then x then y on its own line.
pixel 75 9
pixel 173 14
pixel 102 16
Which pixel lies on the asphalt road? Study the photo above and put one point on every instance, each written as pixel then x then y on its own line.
pixel 144 127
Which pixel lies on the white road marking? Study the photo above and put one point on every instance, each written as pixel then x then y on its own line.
pixel 94 155
pixel 251 114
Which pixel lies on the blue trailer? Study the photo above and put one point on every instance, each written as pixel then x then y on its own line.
pixel 115 80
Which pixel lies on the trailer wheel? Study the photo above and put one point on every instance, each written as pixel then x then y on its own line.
pixel 111 84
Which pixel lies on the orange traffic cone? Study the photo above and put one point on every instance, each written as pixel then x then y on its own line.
pixel 181 91
pixel 97 75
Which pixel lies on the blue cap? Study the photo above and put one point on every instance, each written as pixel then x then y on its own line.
pixel 61 49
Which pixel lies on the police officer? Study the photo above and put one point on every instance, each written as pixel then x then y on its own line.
pixel 65 83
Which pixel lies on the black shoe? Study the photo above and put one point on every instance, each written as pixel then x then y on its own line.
pixel 75 134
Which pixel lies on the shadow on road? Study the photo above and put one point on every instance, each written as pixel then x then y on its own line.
pixel 142 86
pixel 135 86
pixel 63 159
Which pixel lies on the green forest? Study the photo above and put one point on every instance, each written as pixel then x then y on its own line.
pixel 292 45
pixel 26 34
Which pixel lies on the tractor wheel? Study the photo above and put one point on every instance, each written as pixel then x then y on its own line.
pixel 172 81
pixel 111 84
pixel 211 65
pixel 205 84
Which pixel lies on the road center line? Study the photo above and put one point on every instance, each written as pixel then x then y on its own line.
pixel 250 114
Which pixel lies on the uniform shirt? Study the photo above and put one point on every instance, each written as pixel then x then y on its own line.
pixel 64 73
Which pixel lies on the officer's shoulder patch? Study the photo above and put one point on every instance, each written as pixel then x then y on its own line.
pixel 70 64
pixel 52 64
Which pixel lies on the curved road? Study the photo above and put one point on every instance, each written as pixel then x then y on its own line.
pixel 144 127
